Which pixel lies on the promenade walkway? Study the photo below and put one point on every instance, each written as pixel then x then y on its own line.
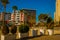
pixel 53 37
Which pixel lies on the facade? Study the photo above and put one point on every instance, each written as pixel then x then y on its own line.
pixel 29 16
pixel 7 16
pixel 12 17
pixel 1 17
pixel 22 17
pixel 57 12
pixel 15 17
pixel 25 16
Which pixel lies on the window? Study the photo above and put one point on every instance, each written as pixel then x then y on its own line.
pixel 17 16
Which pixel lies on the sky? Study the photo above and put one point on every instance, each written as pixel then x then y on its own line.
pixel 41 6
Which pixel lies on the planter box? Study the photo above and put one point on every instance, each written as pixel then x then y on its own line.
pixel 50 32
pixel 22 35
pixel 34 32
pixel 10 37
pixel 42 31
pixel 2 37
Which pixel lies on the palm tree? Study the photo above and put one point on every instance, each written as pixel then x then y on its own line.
pixel 49 22
pixel 14 8
pixel 43 18
pixel 4 3
pixel 46 19
pixel 1 23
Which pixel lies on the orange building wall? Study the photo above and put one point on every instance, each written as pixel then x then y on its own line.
pixel 57 12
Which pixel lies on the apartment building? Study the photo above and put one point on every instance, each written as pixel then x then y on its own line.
pixel 25 16
pixel 7 16
pixel 29 16
pixel 15 17
pixel 0 16
pixel 57 12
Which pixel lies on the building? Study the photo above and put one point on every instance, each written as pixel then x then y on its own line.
pixel 57 12
pixel 15 17
pixel 1 17
pixel 24 16
pixel 7 16
pixel 28 16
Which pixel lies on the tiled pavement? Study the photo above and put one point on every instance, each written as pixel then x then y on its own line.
pixel 54 37
pixel 0 34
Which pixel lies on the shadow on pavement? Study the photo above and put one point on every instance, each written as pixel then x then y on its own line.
pixel 27 38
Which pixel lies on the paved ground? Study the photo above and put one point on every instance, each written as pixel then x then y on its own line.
pixel 0 34
pixel 54 37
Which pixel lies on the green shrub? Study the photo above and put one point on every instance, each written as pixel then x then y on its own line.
pixel 23 28
pixel 5 30
pixel 13 30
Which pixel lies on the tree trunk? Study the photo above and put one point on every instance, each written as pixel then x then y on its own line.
pixel 5 8
pixel 4 4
